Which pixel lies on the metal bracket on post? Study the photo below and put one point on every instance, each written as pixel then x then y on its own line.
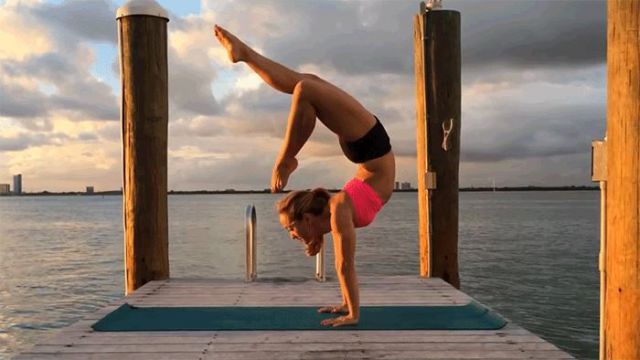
pixel 430 180
pixel 599 160
pixel 599 174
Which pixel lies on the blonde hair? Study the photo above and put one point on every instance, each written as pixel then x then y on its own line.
pixel 299 202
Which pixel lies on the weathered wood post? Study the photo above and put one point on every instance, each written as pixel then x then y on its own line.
pixel 142 34
pixel 622 259
pixel 438 105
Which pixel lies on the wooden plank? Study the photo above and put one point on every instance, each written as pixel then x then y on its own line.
pixel 365 279
pixel 309 346
pixel 369 335
pixel 110 356
pixel 312 287
pixel 389 346
pixel 72 336
pixel 119 348
pixel 363 354
pixel 395 281
pixel 335 336
pixel 289 281
pixel 317 338
pixel 395 296
pixel 391 298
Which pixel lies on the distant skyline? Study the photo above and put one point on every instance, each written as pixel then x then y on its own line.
pixel 534 91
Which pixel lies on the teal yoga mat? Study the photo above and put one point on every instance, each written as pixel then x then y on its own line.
pixel 473 316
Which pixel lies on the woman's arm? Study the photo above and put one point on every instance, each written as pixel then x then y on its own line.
pixel 344 243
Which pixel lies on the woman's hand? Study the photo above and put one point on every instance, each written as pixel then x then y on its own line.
pixel 340 321
pixel 340 309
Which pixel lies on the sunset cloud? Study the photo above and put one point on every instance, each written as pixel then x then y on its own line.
pixel 533 90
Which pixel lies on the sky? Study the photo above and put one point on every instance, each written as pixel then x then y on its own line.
pixel 533 90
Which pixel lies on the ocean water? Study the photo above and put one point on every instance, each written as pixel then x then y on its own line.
pixel 532 256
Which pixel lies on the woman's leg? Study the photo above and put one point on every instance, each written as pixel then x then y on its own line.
pixel 276 75
pixel 302 116
pixel 332 104
pixel 312 97
pixel 302 120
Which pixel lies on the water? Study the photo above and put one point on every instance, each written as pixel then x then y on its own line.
pixel 532 256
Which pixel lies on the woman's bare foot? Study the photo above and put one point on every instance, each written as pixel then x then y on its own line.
pixel 281 171
pixel 236 49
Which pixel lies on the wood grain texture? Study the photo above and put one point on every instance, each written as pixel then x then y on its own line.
pixel 145 115
pixel 622 260
pixel 79 341
pixel 421 144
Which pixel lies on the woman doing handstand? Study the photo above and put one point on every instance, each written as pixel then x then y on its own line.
pixel 309 215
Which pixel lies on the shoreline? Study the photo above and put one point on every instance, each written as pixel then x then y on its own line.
pixel 266 191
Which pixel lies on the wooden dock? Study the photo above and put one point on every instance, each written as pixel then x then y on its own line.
pixel 79 341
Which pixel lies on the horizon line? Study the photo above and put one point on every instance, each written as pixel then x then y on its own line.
pixel 253 191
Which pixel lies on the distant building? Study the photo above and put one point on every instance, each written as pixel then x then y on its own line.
pixel 397 187
pixel 5 189
pixel 406 186
pixel 89 189
pixel 17 184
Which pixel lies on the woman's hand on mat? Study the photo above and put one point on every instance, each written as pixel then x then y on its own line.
pixel 340 321
pixel 339 309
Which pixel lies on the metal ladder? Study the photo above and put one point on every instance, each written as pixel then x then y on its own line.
pixel 250 221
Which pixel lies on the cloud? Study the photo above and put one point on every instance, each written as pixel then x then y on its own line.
pixel 89 165
pixel 190 86
pixel 374 37
pixel 25 140
pixel 87 20
pixel 251 172
pixel 533 89
pixel 531 119
pixel 75 90
pixel 51 67
pixel 524 34
pixel 540 171
pixel 20 102
pixel 336 34
pixel 21 35
pixel 87 137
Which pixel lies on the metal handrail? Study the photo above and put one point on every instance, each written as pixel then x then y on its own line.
pixel 320 276
pixel 250 223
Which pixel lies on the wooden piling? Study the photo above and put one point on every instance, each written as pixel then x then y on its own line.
pixel 438 104
pixel 142 30
pixel 622 263
pixel 421 140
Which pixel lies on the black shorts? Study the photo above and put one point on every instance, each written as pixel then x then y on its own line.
pixel 374 144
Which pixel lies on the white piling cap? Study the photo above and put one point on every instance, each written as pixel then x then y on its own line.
pixel 142 7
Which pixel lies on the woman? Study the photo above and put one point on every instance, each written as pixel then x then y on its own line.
pixel 309 215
